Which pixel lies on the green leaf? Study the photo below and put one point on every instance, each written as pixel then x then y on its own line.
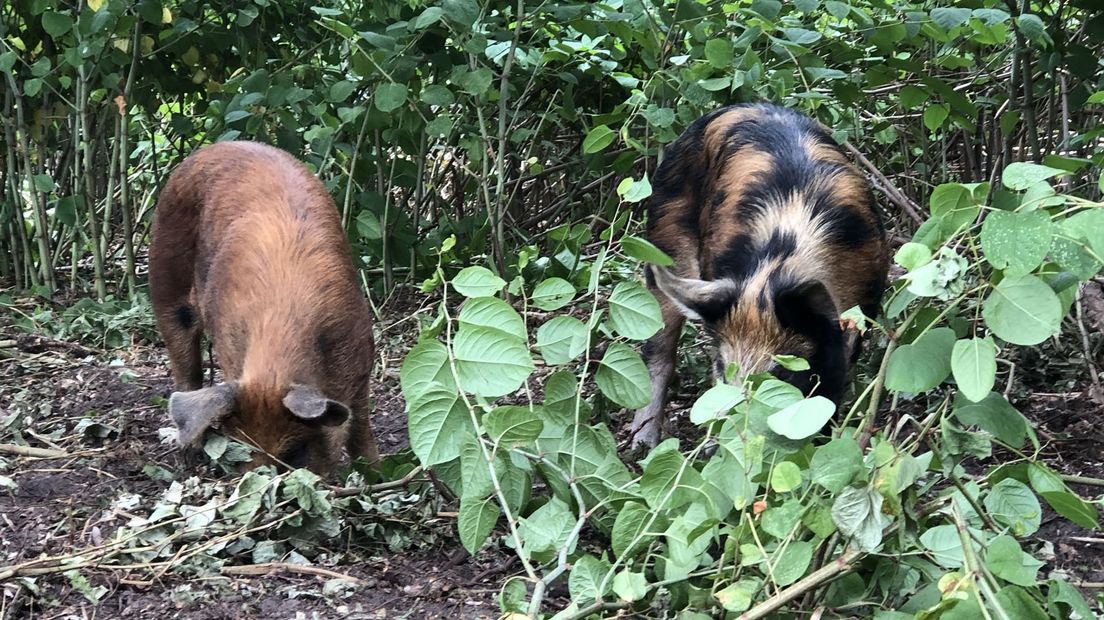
pixel 785 477
pixel 56 24
pixel 494 314
pixel 585 580
pixel 477 281
pixel 716 402
pixel 1007 561
pixel 803 418
pixel 634 191
pixel 511 425
pixel 737 597
pixel 643 250
pixel 669 481
pixel 835 463
pixel 1016 242
pixel 425 367
pixel 477 82
pixel 994 415
pixel 552 294
pixel 974 365
pixel 630 586
pixel 340 91
pixel 7 61
pixel 857 514
pixel 1060 591
pixel 945 545
pixel 463 13
pixel 1011 503
pixel 912 255
pixel 438 95
pixel 630 533
pixel 911 96
pixel 547 530
pixel 1023 310
pixel 390 97
pixel 476 521
pixel 792 562
pixel 428 17
pixel 718 52
pixel 1022 175
pixel 475 471
pixel 623 378
pixel 1073 508
pixel 791 362
pixel 490 362
pixel 44 183
pixel 1018 604
pixel 950 18
pixel 922 365
pixel 598 139
pixel 438 422
pixel 634 311
pixel 562 339
pixel 935 114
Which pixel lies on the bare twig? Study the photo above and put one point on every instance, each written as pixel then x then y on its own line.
pixel 269 568
pixel 40 453
pixel 886 186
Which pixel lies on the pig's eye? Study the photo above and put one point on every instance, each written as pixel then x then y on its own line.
pixel 297 455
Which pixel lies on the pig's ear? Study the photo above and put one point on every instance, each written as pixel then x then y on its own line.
pixel 194 412
pixel 309 405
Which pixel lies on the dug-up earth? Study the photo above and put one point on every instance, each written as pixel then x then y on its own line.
pixel 93 420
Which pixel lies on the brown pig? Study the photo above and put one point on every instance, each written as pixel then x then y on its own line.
pixel 247 246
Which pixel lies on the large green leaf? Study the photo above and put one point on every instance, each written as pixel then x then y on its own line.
pixel 512 425
pixel 634 312
pixel 803 418
pixel 1016 242
pixel 1011 503
pixel 493 314
pixel 552 294
pixel 490 362
pixel 598 139
pixel 562 339
pixel 835 463
pixel 1023 310
pixel 922 365
pixel 426 366
pixel 622 377
pixel 389 97
pixel 716 402
pixel 476 521
pixel 438 423
pixel 476 281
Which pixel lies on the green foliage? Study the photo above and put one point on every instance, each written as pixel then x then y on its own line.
pixel 769 496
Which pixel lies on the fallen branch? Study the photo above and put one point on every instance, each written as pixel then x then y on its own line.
pixel 40 453
pixel 837 567
pixel 375 488
pixel 257 570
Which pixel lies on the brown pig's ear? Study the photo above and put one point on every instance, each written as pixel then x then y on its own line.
pixel 194 412
pixel 309 404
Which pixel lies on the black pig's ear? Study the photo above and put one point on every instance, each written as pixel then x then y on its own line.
pixel 701 300
pixel 309 404
pixel 194 412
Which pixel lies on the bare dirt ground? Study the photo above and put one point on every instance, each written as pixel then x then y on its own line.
pixel 93 418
